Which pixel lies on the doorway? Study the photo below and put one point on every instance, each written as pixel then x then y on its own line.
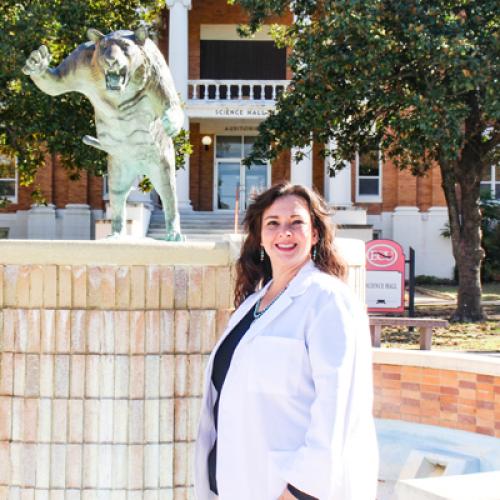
pixel 233 180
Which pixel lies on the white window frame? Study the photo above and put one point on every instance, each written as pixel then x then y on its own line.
pixel 369 198
pixel 492 183
pixel 13 199
pixel 242 172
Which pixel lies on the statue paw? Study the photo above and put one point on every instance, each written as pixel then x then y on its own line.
pixel 172 121
pixel 114 236
pixel 92 141
pixel 37 62
pixel 174 236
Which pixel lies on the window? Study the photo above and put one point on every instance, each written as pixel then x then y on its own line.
pixel 241 60
pixel 490 185
pixel 234 181
pixel 8 178
pixel 369 176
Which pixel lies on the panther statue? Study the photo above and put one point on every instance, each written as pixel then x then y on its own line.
pixel 137 112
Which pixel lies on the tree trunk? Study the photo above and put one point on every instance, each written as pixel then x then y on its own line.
pixel 470 255
pixel 465 226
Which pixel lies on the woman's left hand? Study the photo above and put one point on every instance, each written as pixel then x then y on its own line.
pixel 286 495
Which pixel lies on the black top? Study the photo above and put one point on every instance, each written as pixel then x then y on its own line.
pixel 222 361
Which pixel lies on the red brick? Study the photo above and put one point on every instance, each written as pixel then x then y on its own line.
pixel 466 419
pixel 431 388
pixel 318 173
pixel 430 396
pixel 410 402
pixel 449 390
pixel 280 169
pixel 466 384
pixel 485 404
pixel 410 386
pixel 485 430
pixel 449 407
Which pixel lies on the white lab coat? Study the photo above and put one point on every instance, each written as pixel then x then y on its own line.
pixel 296 405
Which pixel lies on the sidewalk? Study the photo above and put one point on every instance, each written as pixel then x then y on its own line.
pixel 426 300
pixel 431 298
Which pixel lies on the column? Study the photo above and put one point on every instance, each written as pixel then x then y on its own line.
pixel 76 222
pixel 178 60
pixel 338 188
pixel 42 222
pixel 301 172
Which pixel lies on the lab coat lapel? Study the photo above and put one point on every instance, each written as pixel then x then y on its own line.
pixel 274 311
pixel 241 312
pixel 236 317
pixel 297 287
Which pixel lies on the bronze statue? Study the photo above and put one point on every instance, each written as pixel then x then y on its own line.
pixel 137 112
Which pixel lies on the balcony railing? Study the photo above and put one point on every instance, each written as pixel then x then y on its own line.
pixel 235 90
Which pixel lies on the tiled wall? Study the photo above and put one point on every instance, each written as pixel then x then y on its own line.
pixel 101 365
pixel 100 377
pixel 443 397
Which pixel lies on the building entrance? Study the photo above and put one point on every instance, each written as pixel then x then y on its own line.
pixel 233 179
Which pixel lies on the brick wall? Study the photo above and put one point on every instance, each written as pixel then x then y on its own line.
pixel 100 376
pixel 443 397
pixel 318 165
pixel 280 170
pixel 58 189
pixel 400 188
pixel 215 12
pixel 201 171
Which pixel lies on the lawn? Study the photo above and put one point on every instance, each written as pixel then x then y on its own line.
pixel 471 337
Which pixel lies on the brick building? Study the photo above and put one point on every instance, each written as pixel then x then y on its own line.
pixel 229 85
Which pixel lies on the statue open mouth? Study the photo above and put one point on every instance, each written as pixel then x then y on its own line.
pixel 116 80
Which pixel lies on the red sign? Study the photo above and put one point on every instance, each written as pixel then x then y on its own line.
pixel 385 276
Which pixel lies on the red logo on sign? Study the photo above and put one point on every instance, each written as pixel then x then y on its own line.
pixel 381 255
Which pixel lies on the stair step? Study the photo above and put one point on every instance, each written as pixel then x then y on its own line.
pixel 197 225
pixel 197 231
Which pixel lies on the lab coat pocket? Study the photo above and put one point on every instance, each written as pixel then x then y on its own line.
pixel 275 365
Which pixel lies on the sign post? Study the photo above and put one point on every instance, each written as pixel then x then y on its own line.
pixel 385 276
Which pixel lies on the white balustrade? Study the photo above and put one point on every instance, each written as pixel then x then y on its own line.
pixel 225 90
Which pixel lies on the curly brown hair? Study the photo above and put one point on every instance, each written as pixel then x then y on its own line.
pixel 251 272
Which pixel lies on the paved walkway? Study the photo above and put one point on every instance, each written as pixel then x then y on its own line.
pixel 426 300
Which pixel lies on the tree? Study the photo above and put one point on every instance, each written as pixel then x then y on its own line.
pixel 417 79
pixel 32 123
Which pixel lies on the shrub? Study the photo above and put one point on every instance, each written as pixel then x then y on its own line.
pixel 424 279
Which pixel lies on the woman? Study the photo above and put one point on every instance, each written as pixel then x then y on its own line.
pixel 287 409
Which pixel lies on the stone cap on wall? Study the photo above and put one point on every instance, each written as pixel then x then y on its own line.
pixel 483 364
pixel 127 251
pixel 142 251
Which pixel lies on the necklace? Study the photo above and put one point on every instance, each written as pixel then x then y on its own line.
pixel 257 313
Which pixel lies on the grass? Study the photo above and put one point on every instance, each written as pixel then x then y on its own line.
pixel 491 291
pixel 470 337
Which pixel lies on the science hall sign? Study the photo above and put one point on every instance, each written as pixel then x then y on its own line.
pixel 241 112
pixel 248 111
